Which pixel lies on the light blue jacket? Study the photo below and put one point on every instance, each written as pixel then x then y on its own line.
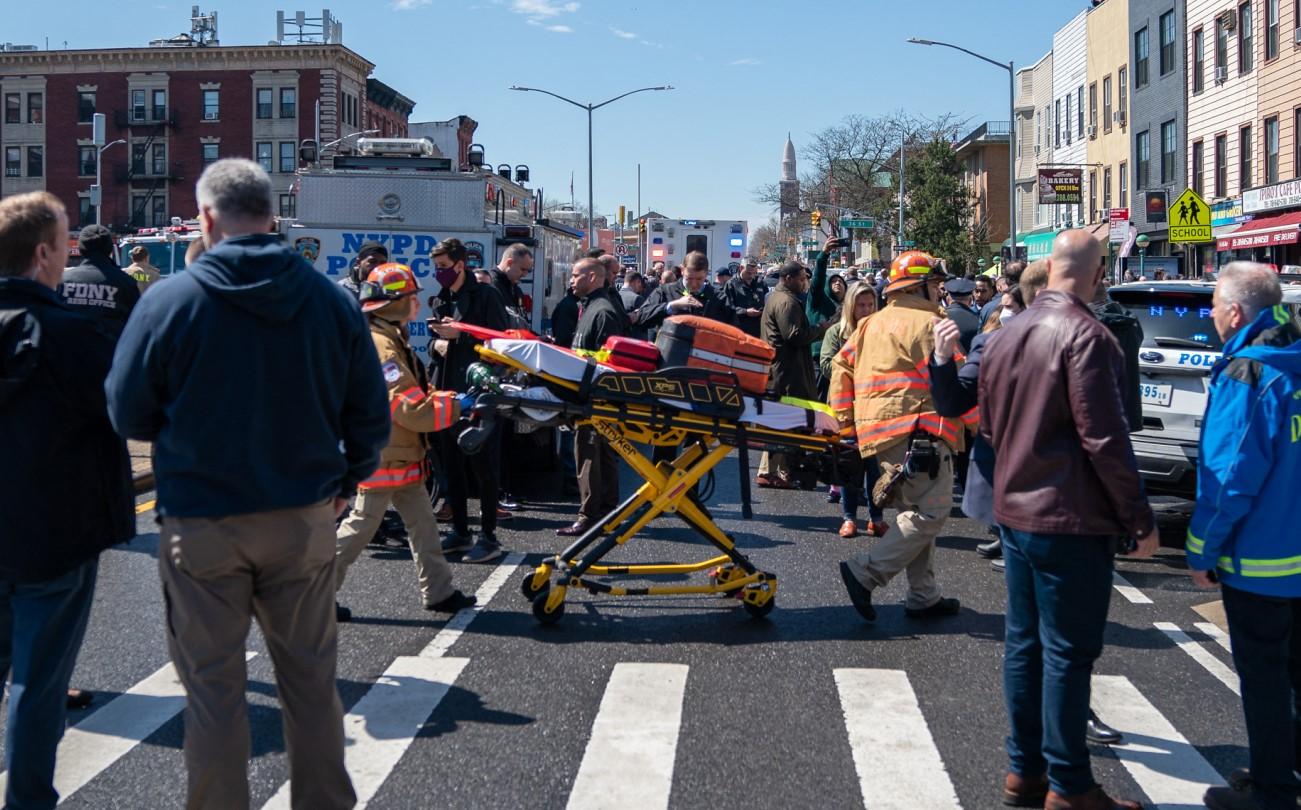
pixel 1249 467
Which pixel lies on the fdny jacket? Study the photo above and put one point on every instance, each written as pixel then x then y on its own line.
pixel 880 378
pixel 1249 467
pixel 415 409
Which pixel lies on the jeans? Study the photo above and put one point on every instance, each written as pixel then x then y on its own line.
pixel 858 489
pixel 1058 592
pixel 42 625
pixel 1265 632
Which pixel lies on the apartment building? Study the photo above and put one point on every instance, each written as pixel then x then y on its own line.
pixel 1158 112
pixel 1107 177
pixel 984 156
pixel 1069 71
pixel 1033 106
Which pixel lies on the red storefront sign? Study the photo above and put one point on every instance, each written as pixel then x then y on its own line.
pixel 1250 240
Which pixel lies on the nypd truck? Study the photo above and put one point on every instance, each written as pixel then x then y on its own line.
pixel 670 240
pixel 398 192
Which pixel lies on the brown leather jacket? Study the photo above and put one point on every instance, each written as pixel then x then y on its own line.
pixel 1050 405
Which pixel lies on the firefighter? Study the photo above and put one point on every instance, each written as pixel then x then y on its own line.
pixel 389 298
pixel 880 387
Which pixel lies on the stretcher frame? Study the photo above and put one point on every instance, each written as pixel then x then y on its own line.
pixel 667 488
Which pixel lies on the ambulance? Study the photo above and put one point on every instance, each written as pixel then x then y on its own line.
pixel 670 240
pixel 399 192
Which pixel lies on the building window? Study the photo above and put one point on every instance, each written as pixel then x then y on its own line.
pixel 85 108
pixel 1167 33
pixel 85 212
pixel 288 102
pixel 35 108
pixel 1093 106
pixel 1057 123
pixel 1196 169
pixel 137 105
pixel 13 108
pixel 286 206
pixel 1140 57
pixel 13 161
pixel 1246 59
pixel 1079 112
pixel 1221 49
pixel 137 159
pixel 264 102
pixel 264 155
pixel 158 211
pixel 1199 59
pixel 1143 158
pixel 211 105
pixel 1122 94
pixel 1271 29
pixel 1106 103
pixel 1245 176
pixel 1271 150
pixel 211 153
pixel 1068 119
pixel 288 160
pixel 160 105
pixel 36 161
pixel 1124 184
pixel 1168 152
pixel 1093 196
pixel 1221 164
pixel 1106 189
pixel 1296 140
pixel 86 161
pixel 159 162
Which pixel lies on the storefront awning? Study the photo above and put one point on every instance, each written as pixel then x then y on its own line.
pixel 1038 245
pixel 1280 229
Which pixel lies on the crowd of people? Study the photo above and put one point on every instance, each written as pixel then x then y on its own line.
pixel 1016 393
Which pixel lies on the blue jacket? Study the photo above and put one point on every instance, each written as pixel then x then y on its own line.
pixel 257 381
pixel 1249 467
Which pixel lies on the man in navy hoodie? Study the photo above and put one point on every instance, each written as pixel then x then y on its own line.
pixel 257 382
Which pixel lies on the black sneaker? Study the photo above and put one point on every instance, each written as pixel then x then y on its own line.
pixel 457 601
pixel 508 502
pixel 992 550
pixel 483 551
pixel 947 606
pixel 454 542
pixel 859 594
pixel 341 613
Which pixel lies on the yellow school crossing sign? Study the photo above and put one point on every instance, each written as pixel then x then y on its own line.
pixel 1190 218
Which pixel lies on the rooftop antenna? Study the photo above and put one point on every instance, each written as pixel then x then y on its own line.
pixel 299 29
pixel 203 27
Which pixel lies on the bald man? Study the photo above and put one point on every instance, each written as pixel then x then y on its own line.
pixel 1066 489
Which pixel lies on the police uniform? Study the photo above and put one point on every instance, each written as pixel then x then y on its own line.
pixel 400 478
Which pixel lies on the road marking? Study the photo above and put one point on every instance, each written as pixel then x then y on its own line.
pixel 380 727
pixel 899 767
pixel 1216 634
pixel 629 758
pixel 110 732
pixel 145 506
pixel 1163 763
pixel 1210 663
pixel 1125 589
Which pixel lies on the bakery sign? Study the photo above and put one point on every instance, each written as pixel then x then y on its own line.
pixel 1272 198
pixel 1061 186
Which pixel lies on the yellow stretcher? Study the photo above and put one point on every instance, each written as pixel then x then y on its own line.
pixel 706 410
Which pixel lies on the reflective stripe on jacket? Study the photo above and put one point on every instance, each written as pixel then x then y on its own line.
pixel 880 378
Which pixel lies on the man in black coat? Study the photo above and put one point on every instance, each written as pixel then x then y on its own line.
pixel 467 300
pixel 745 295
pixel 960 290
pixel 54 427
pixel 598 464
pixel 97 286
pixel 692 295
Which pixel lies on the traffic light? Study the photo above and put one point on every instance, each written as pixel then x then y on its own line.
pixel 641 225
pixel 622 217
pixel 816 218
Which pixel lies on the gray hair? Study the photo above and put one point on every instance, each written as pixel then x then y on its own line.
pixel 235 189
pixel 1251 285
pixel 517 251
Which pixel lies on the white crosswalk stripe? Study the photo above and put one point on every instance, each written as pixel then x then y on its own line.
pixel 1166 767
pixel 1222 672
pixel 896 759
pixel 1127 590
pixel 1216 634
pixel 629 758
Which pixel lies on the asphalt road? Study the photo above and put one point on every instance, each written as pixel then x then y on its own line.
pixel 685 701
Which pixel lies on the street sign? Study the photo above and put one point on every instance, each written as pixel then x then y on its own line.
pixel 908 243
pixel 809 243
pixel 629 261
pixel 859 224
pixel 620 249
pixel 1118 218
pixel 1190 218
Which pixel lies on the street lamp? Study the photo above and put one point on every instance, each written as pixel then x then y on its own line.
pixel 1141 242
pixel 1011 136
pixel 591 196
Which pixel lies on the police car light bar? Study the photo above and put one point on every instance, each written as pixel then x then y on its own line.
pixel 415 147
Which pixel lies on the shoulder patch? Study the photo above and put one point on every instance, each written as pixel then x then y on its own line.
pixel 1245 370
pixel 391 372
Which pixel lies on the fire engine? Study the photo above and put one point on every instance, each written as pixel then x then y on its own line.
pixel 670 240
pixel 167 245
pixel 398 192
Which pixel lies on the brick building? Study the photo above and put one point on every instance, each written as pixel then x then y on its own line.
pixel 387 110
pixel 984 156
pixel 176 109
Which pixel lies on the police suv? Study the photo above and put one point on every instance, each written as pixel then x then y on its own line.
pixel 1180 345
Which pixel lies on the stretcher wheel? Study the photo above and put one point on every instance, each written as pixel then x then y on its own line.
pixel 527 588
pixel 540 611
pixel 759 611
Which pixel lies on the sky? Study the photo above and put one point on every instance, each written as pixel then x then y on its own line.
pixel 745 73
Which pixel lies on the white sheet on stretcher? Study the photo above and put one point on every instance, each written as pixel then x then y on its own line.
pixel 538 356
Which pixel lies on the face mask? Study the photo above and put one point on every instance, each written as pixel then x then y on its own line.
pixel 446 276
pixel 1005 316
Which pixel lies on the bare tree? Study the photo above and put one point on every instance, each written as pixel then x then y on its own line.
pixel 765 239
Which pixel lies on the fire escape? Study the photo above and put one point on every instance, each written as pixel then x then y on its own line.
pixel 144 177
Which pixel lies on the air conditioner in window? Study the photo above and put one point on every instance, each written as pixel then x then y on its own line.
pixel 1118 118
pixel 1228 19
pixel 1221 75
pixel 209 116
pixel 1297 36
pixel 1036 149
pixel 1092 132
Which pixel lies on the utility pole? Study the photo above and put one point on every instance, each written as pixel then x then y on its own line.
pixel 902 150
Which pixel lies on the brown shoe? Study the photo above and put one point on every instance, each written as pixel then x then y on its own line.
pixel 1094 799
pixel 1024 791
pixel 848 529
pixel 574 529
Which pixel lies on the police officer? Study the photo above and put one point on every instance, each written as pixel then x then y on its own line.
pixel 960 291
pixel 370 255
pixel 389 297
pixel 745 295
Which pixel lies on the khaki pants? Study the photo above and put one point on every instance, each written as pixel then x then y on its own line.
pixel 598 474
pixel 433 573
pixel 218 573
pixel 924 504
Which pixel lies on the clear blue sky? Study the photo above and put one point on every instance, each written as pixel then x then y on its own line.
pixel 746 72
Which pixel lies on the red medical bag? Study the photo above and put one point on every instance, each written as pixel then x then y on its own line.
pixel 696 342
